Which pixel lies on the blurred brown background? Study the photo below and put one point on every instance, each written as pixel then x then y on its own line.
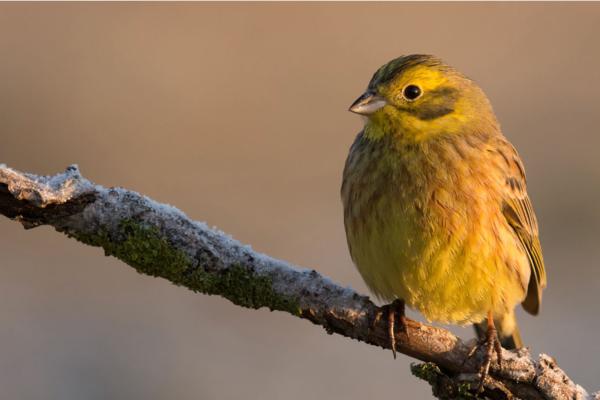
pixel 236 113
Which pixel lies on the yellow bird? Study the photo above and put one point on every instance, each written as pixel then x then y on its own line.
pixel 436 209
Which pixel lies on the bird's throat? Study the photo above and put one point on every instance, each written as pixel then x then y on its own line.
pixel 380 125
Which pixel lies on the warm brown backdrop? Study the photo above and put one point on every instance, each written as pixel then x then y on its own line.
pixel 236 113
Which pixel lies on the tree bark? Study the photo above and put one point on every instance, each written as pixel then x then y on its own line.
pixel 160 240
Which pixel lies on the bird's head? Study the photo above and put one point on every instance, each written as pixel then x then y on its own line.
pixel 417 97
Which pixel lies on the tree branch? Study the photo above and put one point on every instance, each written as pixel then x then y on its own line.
pixel 159 240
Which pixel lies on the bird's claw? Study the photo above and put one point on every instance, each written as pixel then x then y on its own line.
pixel 394 312
pixel 491 344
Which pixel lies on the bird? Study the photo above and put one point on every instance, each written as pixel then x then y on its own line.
pixel 435 203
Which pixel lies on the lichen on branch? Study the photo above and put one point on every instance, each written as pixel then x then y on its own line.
pixel 145 249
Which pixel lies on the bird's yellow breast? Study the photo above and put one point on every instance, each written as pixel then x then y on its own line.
pixel 424 224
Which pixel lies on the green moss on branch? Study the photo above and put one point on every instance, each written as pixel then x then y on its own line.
pixel 443 386
pixel 145 249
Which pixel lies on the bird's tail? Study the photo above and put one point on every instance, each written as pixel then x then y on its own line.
pixel 508 331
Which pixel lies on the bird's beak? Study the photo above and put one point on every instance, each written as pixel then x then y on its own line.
pixel 367 104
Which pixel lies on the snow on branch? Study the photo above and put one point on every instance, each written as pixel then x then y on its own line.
pixel 160 240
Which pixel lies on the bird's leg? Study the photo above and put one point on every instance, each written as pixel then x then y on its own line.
pixel 395 312
pixel 400 311
pixel 491 345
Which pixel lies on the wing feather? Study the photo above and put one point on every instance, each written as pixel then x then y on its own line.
pixel 518 211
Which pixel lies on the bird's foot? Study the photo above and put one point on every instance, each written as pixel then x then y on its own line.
pixel 490 345
pixel 394 312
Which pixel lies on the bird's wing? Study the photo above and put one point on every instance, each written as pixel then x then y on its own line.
pixel 519 213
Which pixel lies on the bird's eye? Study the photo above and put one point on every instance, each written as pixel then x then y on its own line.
pixel 411 92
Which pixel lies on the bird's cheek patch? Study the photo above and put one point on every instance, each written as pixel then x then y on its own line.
pixel 436 103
